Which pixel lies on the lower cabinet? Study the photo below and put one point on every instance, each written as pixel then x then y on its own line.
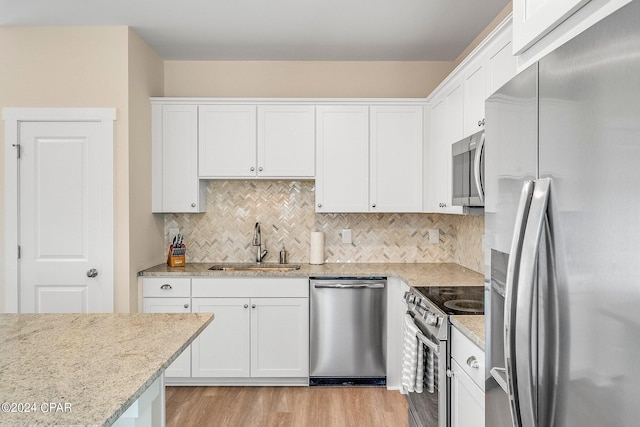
pixel 259 335
pixel 467 382
pixel 252 337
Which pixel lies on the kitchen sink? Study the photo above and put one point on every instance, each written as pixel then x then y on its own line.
pixel 254 267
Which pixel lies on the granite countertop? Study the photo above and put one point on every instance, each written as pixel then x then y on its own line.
pixel 93 365
pixel 472 327
pixel 416 274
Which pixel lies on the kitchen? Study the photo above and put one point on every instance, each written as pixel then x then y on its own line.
pixel 461 235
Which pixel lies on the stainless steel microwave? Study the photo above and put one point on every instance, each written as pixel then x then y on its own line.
pixel 468 171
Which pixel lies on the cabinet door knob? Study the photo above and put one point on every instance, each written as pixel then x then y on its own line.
pixel 193 205
pixel 473 362
pixel 92 273
pixel 479 122
pixel 166 286
pixel 252 169
pixel 260 169
pixel 373 205
pixel 253 306
pixel 246 306
pixel 319 205
pixel 186 306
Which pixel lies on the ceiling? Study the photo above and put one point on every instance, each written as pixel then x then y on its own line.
pixel 297 30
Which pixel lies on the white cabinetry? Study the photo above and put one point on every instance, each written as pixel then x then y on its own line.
pixel 457 110
pixel 264 141
pixel 174 154
pixel 532 19
pixel 467 382
pixel 260 332
pixel 342 158
pixel 169 295
pixel 540 26
pixel 369 158
pixel 475 93
pixel 286 141
pixel 227 141
pixel 396 158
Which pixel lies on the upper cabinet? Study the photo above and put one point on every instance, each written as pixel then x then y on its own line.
pixel 286 141
pixel 256 141
pixel 227 141
pixel 369 158
pixel 457 111
pixel 532 19
pixel 174 158
pixel 342 158
pixel 541 26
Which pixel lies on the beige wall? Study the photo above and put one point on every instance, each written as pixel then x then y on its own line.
pixel 325 79
pixel 69 67
pixel 146 231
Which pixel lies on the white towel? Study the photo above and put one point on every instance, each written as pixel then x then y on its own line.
pixel 412 351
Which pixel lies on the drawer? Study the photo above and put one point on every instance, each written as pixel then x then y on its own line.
pixel 237 287
pixel 169 287
pixel 463 351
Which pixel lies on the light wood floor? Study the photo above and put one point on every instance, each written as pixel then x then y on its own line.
pixel 285 406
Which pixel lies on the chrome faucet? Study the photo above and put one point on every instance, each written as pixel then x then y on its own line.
pixel 257 242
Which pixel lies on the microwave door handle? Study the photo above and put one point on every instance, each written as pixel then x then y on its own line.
pixel 526 306
pixel 510 300
pixel 477 163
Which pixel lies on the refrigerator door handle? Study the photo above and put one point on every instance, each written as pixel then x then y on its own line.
pixel 477 163
pixel 510 299
pixel 526 368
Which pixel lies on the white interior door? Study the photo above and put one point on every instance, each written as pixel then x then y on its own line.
pixel 65 217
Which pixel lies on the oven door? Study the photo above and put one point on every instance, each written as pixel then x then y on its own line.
pixel 430 409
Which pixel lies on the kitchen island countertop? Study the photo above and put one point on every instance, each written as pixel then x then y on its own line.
pixel 90 367
pixel 414 274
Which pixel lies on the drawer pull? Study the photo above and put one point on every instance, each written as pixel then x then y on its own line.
pixel 166 286
pixel 473 362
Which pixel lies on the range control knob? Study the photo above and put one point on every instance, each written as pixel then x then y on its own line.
pixel 431 319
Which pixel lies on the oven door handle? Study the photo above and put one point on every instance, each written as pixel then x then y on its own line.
pixel 426 341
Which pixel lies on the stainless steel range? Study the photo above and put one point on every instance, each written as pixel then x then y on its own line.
pixel 430 308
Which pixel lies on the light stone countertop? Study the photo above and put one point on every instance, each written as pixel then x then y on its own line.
pixel 416 274
pixel 99 364
pixel 472 327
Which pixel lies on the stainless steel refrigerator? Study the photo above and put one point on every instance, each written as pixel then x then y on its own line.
pixel 562 212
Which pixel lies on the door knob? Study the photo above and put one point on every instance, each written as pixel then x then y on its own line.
pixel 92 273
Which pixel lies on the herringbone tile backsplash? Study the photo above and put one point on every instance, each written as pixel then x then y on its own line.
pixel 285 210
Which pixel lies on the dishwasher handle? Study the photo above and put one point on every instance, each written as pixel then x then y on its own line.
pixel 348 286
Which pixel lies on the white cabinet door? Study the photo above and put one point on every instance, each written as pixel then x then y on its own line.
pixel 475 93
pixel 501 63
pixel 396 159
pixel 279 337
pixel 222 349
pixel 532 19
pixel 175 184
pixel 181 367
pixel 286 141
pixel 342 158
pixel 467 400
pixel 227 141
pixel 446 123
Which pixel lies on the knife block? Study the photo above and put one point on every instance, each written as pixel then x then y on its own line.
pixel 176 257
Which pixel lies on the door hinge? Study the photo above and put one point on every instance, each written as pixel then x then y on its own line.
pixel 18 252
pixel 17 149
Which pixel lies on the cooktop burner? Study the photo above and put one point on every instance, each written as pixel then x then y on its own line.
pixel 456 300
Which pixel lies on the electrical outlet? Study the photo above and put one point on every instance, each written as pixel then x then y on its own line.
pixel 434 236
pixel 346 236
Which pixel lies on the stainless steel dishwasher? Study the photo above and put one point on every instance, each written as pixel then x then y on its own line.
pixel 348 331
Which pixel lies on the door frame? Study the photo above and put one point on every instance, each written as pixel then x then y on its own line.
pixel 12 118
